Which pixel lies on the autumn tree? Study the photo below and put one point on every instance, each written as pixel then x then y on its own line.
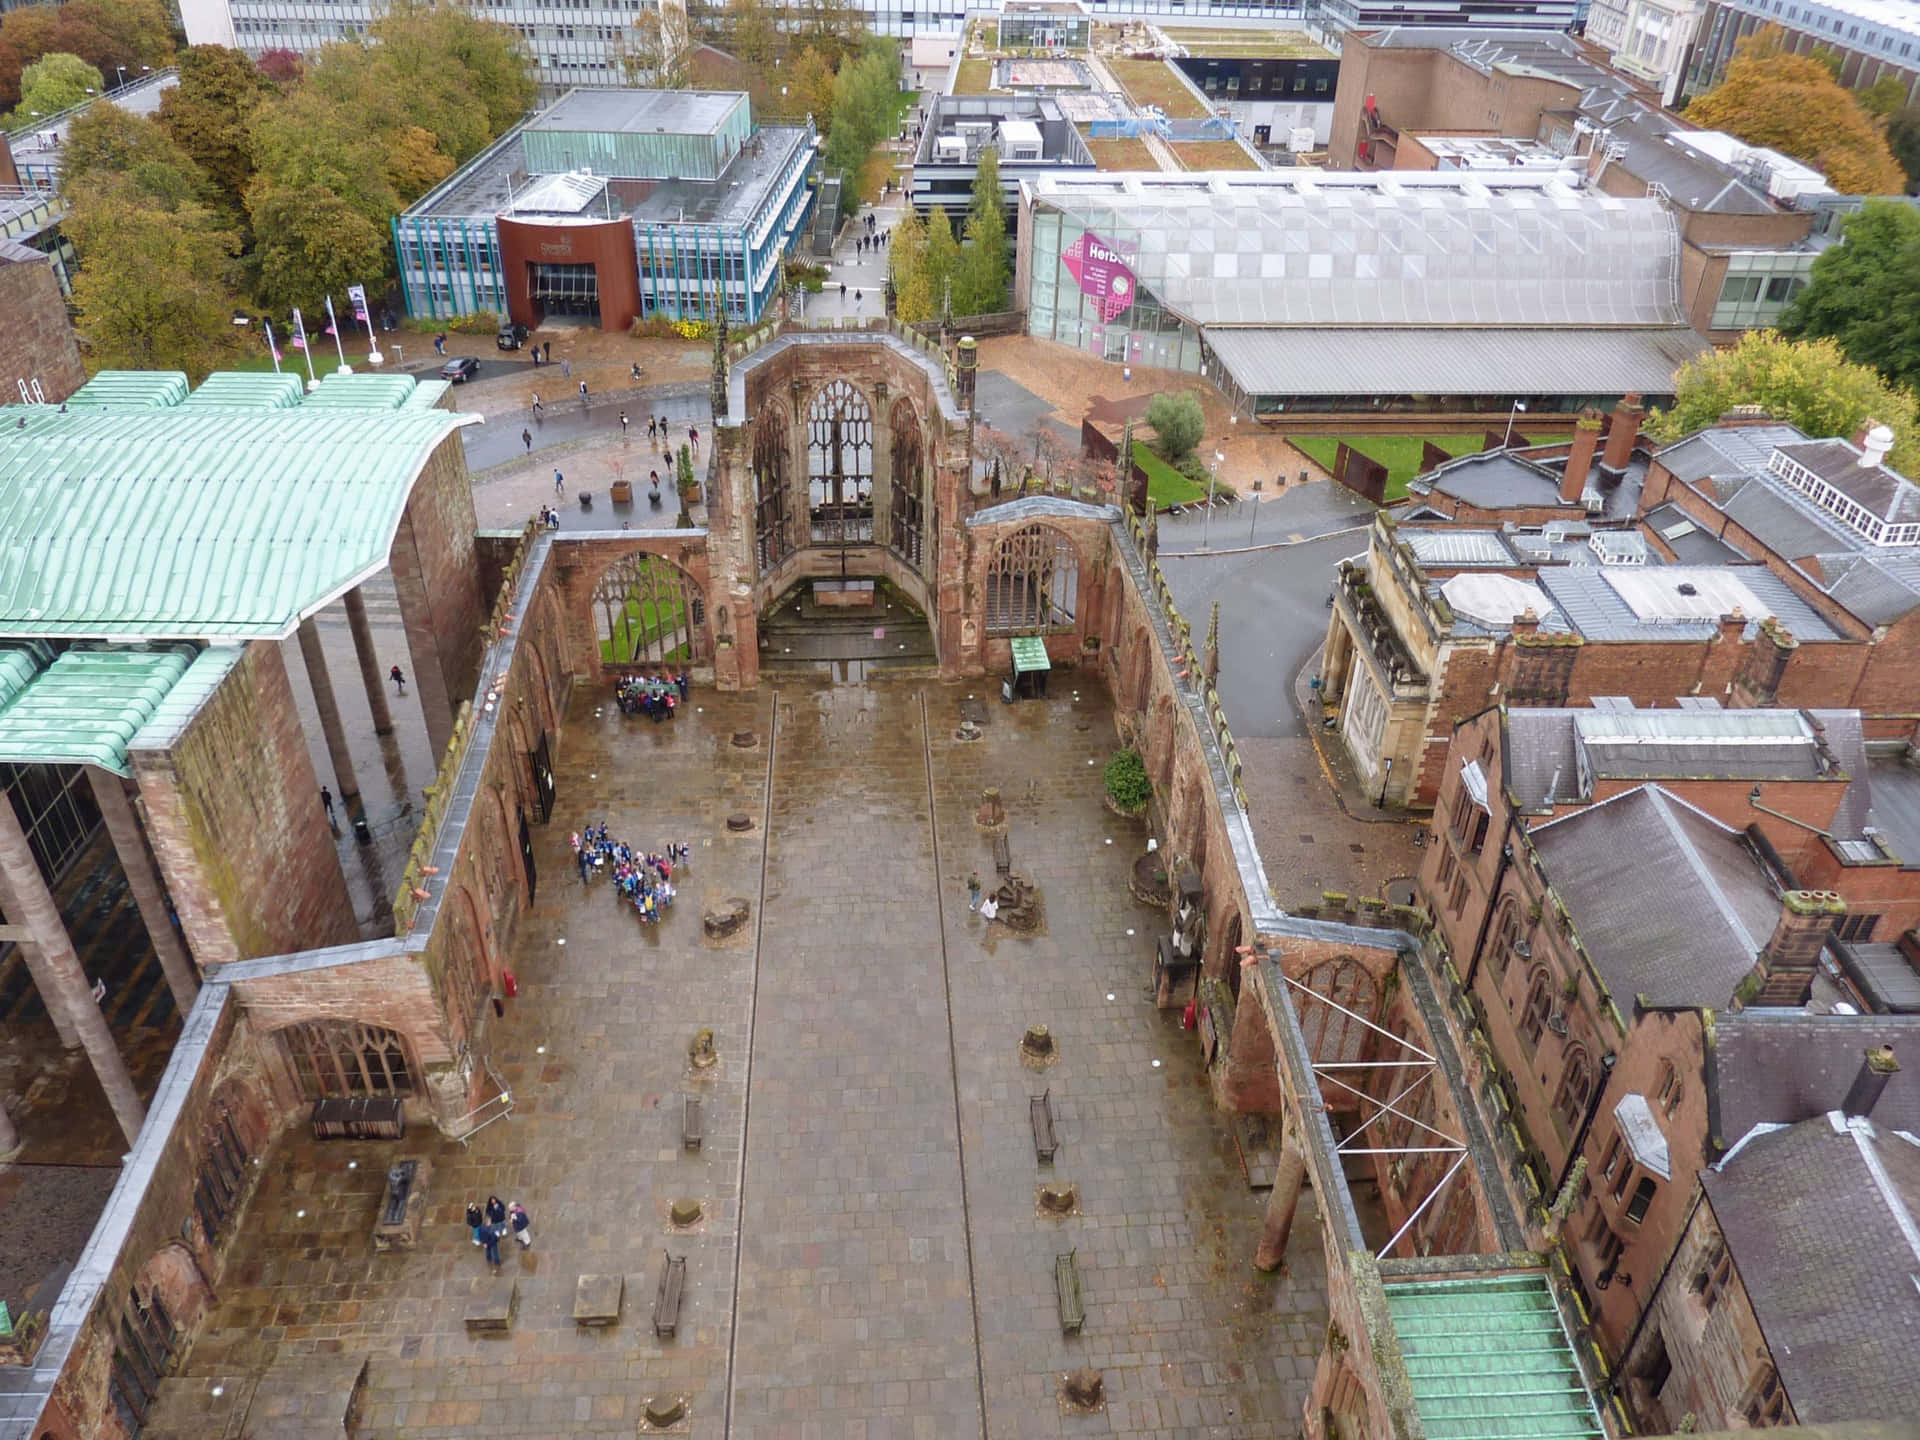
pixel 281 65
pixel 658 55
pixel 107 140
pixel 208 114
pixel 107 34
pixel 1792 103
pixel 913 296
pixel 154 285
pixel 313 244
pixel 980 276
pixel 1807 383
pixel 446 56
pixel 51 84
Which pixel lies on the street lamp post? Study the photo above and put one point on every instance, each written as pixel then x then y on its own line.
pixel 1507 439
pixel 1213 475
pixel 121 71
pixel 1385 780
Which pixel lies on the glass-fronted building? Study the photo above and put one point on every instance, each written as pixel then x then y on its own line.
pixel 612 205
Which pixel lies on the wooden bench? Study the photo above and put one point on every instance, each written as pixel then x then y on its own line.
pixel 1040 1110
pixel 367 1118
pixel 1002 856
pixel 1066 1286
pixel 666 1300
pixel 691 1132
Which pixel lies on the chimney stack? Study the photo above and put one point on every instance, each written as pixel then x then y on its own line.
pixel 1586 439
pixel 1876 1069
pixel 1627 416
pixel 1784 971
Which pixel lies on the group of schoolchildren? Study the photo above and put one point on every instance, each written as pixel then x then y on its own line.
pixel 656 696
pixel 644 880
pixel 492 1224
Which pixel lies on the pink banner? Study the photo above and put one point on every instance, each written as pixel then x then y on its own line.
pixel 1104 272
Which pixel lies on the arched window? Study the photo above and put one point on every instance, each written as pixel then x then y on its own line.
pixel 1667 1095
pixel 1539 1005
pixel 907 531
pixel 1033 582
pixel 771 541
pixel 338 1058
pixel 1506 936
pixel 1642 1198
pixel 840 466
pixel 651 613
pixel 1576 1089
pixel 1336 1035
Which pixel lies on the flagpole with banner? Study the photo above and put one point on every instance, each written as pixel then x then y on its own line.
pixel 357 297
pixel 300 344
pixel 334 326
pixel 273 347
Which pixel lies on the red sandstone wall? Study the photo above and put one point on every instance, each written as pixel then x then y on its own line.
pixel 437 577
pixel 37 341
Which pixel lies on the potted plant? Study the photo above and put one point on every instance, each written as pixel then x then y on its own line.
pixel 683 469
pixel 1128 788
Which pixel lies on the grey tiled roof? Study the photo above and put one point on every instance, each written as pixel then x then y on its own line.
pixel 1848 744
pixel 1694 546
pixel 1670 903
pixel 1540 756
pixel 1784 520
pixel 1596 610
pixel 1823 1248
pixel 1779 1067
pixel 1887 493
pixel 1729 450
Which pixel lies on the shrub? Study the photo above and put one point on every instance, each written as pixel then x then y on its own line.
pixel 1178 423
pixel 1127 784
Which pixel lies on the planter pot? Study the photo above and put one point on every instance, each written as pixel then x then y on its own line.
pixel 691 494
pixel 622 491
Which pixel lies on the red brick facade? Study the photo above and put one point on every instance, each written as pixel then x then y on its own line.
pixel 38 341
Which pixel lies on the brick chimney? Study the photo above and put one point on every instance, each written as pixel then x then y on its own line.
pixel 1627 416
pixel 1876 1069
pixel 1758 684
pixel 1784 972
pixel 1586 439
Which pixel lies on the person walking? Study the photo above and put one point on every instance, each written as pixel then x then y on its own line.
pixel 440 343
pixel 566 368
pixel 858 297
pixel 496 1210
pixel 636 370
pixel 653 428
pixel 583 392
pixel 663 427
pixel 973 891
pixel 843 292
pixel 399 680
pixel 526 438
pixel 536 404
pixel 559 483
pixel 475 1219
pixel 693 439
pixel 521 1223
pixel 326 803
pixel 623 427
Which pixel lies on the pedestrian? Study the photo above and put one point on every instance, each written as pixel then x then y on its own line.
pixel 536 404
pixel 693 439
pixel 399 680
pixel 559 483
pixel 636 370
pixel 623 427
pixel 326 803
pixel 526 438
pixel 475 1219
pixel 522 1224
pixel 843 292
pixel 440 343
pixel 490 1238
pixel 496 1210
pixel 663 427
pixel 586 866
pixel 653 488
pixel 973 891
pixel 989 908
pixel 566 368
pixel 857 298
pixel 583 392
pixel 653 428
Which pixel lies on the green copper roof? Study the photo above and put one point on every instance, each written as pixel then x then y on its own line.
pixel 85 707
pixel 1489 1360
pixel 370 392
pixel 141 389
pixel 18 666
pixel 248 390
pixel 207 524
pixel 426 394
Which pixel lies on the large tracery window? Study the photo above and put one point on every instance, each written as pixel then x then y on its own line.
pixel 338 1058
pixel 1033 582
pixel 840 467
pixel 651 613
pixel 907 533
pixel 770 537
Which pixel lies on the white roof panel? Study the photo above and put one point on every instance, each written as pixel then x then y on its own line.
pixel 1679 592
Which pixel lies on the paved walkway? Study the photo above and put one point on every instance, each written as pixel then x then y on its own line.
pixel 871 1264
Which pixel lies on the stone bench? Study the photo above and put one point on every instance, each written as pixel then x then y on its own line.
pixel 1066 1287
pixel 490 1311
pixel 1002 857
pixel 1040 1112
pixel 597 1299
pixel 666 1300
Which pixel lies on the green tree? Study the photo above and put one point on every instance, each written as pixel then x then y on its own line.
pixel 307 140
pixel 980 280
pixel 208 114
pixel 1865 293
pixel 153 289
pixel 942 259
pixel 108 140
pixel 1881 98
pixel 658 54
pixel 1903 139
pixel 811 85
pixel 1807 383
pixel 913 297
pixel 433 60
pixel 1792 103
pixel 311 244
pixel 51 84
pixel 1178 423
pixel 865 97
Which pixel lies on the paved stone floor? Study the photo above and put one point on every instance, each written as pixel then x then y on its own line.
pixel 871 1263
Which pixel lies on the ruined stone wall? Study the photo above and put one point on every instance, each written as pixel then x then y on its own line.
pixel 436 575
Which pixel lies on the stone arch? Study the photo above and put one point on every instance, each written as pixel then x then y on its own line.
pixel 466 964
pixel 770 467
pixel 1343 1411
pixel 907 479
pixel 1338 1034
pixel 507 859
pixel 550 628
pixel 1159 750
pixel 347 1058
pixel 650 611
pixel 1033 581
pixel 1507 930
pixel 173 1281
pixel 545 705
pixel 841 438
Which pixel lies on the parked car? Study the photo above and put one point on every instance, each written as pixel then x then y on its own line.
pixel 511 336
pixel 461 367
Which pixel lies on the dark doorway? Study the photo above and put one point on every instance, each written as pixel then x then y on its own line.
pixel 526 856
pixel 540 758
pixel 567 291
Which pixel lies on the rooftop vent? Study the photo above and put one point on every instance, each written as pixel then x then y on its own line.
pixel 1686 589
pixel 1874 447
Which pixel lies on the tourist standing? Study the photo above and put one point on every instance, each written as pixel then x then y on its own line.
pixel 973 891
pixel 475 1219
pixel 522 1224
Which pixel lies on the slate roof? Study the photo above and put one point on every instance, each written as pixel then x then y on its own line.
pixel 1692 545
pixel 1541 754
pixel 1595 609
pixel 1847 743
pixel 1725 450
pixel 1505 479
pixel 1886 493
pixel 1779 1067
pixel 1821 1226
pixel 1670 903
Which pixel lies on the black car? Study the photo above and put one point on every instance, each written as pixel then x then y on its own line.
pixel 511 336
pixel 462 367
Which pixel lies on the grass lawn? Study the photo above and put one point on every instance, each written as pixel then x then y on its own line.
pixel 1214 155
pixel 646 621
pixel 1399 453
pixel 1122 155
pixel 1152 82
pixel 1165 485
pixel 975 77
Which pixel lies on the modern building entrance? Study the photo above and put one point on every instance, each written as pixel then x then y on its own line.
pixel 568 292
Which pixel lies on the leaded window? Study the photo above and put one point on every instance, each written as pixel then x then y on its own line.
pixel 651 613
pixel 339 1058
pixel 906 534
pixel 840 466
pixel 1033 582
pixel 771 540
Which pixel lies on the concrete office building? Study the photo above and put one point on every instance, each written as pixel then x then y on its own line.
pixel 611 205
pixel 1872 39
pixel 1033 136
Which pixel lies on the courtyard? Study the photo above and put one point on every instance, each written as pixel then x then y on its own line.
pixel 871 1260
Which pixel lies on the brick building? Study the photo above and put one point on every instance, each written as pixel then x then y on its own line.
pixel 41 348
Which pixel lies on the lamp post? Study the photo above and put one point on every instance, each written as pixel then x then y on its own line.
pixel 1213 475
pixel 1507 439
pixel 121 71
pixel 1385 780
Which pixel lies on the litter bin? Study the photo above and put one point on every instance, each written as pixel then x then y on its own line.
pixel 361 832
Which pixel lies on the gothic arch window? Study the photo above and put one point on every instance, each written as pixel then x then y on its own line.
pixel 840 466
pixel 1533 1021
pixel 1033 582
pixel 908 477
pixel 1668 1093
pixel 340 1058
pixel 650 612
pixel 1576 1088
pixel 771 538
pixel 1506 936
pixel 1337 1035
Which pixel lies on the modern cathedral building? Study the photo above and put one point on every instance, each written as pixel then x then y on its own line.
pixel 612 205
